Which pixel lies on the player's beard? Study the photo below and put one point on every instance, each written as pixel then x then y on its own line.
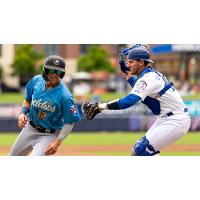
pixel 53 81
pixel 134 70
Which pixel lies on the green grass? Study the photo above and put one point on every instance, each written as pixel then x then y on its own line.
pixel 109 139
pixel 192 97
pixel 19 97
pixel 122 138
pixel 7 138
pixel 190 138
pixel 11 98
pixel 103 138
pixel 180 153
pixel 109 96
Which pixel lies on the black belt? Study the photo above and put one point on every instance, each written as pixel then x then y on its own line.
pixel 41 129
pixel 171 113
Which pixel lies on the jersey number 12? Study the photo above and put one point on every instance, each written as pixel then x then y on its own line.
pixel 42 115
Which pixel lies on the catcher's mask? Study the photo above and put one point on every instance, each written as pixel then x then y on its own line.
pixel 124 53
pixel 56 63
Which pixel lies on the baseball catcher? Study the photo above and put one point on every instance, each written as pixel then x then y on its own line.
pixel 154 90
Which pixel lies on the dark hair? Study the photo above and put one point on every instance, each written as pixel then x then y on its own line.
pixel 146 63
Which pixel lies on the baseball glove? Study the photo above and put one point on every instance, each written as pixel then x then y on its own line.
pixel 91 109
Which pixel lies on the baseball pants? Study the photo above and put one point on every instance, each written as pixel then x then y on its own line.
pixel 167 130
pixel 31 141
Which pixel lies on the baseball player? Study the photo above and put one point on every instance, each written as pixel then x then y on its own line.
pixel 48 112
pixel 159 95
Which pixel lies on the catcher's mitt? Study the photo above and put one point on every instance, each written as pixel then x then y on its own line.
pixel 91 109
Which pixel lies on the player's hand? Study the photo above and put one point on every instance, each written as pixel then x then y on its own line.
pixel 22 120
pixel 53 147
pixel 127 75
pixel 123 66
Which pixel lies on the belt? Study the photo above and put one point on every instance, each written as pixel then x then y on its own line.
pixel 171 113
pixel 41 129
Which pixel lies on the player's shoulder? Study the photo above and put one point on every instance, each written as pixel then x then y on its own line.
pixel 36 79
pixel 147 77
pixel 66 94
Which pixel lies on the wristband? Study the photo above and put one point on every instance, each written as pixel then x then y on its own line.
pixel 113 105
pixel 25 110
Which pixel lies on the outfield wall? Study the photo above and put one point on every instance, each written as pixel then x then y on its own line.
pixel 136 118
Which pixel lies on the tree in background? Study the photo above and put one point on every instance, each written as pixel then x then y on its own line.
pixel 26 62
pixel 96 59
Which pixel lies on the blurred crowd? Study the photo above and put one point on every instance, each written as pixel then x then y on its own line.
pixel 186 88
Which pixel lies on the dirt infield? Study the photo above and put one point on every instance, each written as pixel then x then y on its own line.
pixel 89 150
pixel 75 150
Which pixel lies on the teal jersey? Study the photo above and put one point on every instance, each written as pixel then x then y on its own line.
pixel 51 108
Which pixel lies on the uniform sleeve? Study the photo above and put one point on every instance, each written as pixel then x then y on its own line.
pixel 128 101
pixel 29 89
pixel 146 86
pixel 132 81
pixel 70 111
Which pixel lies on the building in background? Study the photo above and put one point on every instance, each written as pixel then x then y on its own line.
pixel 70 52
pixel 7 53
pixel 180 62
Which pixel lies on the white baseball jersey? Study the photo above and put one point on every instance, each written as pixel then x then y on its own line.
pixel 150 84
pixel 173 121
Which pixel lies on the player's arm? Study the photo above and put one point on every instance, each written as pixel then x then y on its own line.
pixel 91 109
pixel 124 68
pixel 22 119
pixel 139 92
pixel 70 116
pixel 53 147
pixel 127 74
pixel 131 79
pixel 120 104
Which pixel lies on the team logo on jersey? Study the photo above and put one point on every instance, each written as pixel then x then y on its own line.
pixel 141 85
pixel 44 105
pixel 73 109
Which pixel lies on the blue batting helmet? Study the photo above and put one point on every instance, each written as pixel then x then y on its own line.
pixel 139 53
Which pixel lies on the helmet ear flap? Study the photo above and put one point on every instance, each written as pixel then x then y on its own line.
pixel 46 71
pixel 45 74
pixel 62 75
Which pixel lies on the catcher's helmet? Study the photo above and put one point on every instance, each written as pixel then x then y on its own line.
pixel 53 62
pixel 139 53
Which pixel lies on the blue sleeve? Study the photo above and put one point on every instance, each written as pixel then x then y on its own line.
pixel 132 81
pixel 128 101
pixel 29 89
pixel 70 111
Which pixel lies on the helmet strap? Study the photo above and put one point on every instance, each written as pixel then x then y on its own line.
pixel 44 75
